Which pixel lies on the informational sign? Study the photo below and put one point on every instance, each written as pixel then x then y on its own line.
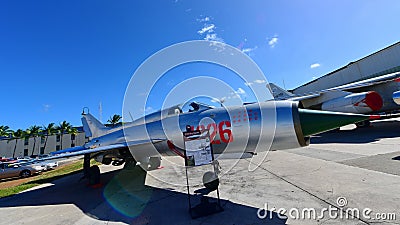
pixel 198 150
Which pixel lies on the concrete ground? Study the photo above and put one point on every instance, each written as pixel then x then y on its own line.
pixel 345 177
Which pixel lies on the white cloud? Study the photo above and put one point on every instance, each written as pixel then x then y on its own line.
pixel 255 82
pixel 315 65
pixel 240 91
pixel 260 81
pixel 215 100
pixel 209 28
pixel 204 19
pixel 221 100
pixel 148 110
pixel 249 50
pixel 236 94
pixel 46 107
pixel 273 41
pixel 213 37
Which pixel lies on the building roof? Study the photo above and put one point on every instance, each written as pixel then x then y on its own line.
pixel 344 67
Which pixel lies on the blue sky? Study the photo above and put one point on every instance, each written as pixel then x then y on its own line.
pixel 57 57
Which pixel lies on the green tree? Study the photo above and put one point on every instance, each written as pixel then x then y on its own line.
pixel 114 120
pixel 72 131
pixel 17 135
pixel 63 128
pixel 5 131
pixel 34 131
pixel 49 130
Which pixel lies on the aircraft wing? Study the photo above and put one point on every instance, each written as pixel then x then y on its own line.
pixel 300 98
pixel 355 86
pixel 74 152
pixel 282 94
pixel 351 87
pixel 80 150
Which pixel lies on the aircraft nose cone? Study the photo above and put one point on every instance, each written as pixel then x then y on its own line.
pixel 316 121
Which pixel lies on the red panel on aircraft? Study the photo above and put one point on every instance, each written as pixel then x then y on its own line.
pixel 374 100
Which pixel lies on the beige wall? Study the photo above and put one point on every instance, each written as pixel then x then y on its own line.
pixel 7 146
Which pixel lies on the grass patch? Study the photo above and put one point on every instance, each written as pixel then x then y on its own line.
pixel 15 190
pixel 45 177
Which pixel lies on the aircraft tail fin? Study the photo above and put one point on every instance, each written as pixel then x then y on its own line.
pixel 278 92
pixel 93 127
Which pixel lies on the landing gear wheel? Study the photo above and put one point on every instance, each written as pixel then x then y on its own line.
pixel 118 162
pixel 25 173
pixel 106 161
pixel 210 181
pixel 154 162
pixel 130 164
pixel 94 175
pixel 363 124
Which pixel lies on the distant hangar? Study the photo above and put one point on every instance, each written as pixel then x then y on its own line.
pixel 382 62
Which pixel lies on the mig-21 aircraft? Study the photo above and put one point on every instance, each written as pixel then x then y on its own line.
pixel 235 132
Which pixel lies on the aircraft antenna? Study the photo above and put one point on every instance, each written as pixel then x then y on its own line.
pixel 221 101
pixel 100 112
pixel 130 115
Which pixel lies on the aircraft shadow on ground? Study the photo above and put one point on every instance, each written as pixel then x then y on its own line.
pixel 396 158
pixel 125 198
pixel 378 130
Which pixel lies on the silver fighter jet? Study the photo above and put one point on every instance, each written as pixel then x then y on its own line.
pixel 235 132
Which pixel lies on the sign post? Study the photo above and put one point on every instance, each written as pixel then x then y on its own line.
pixel 198 152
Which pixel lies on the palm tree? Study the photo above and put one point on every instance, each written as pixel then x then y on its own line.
pixel 11 136
pixel 5 131
pixel 49 130
pixel 114 120
pixel 72 131
pixel 17 135
pixel 34 132
pixel 62 128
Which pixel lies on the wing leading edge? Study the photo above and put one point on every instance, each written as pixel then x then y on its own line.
pixel 351 87
pixel 81 150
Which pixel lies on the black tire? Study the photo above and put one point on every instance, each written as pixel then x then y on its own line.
pixel 25 173
pixel 94 175
pixel 363 124
pixel 130 164
pixel 154 162
pixel 107 161
pixel 210 181
pixel 118 162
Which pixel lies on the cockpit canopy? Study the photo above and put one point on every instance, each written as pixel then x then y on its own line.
pixel 196 106
pixel 174 110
